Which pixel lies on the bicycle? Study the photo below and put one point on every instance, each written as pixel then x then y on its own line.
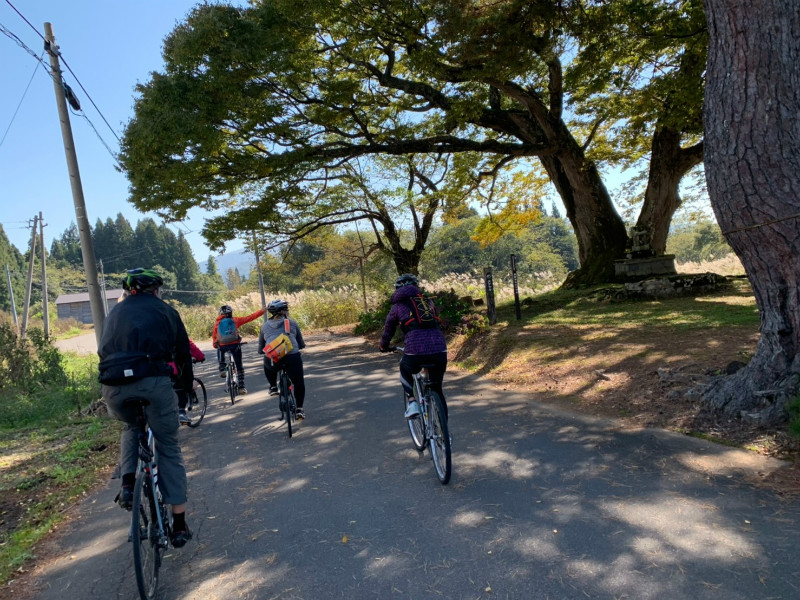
pixel 429 428
pixel 150 528
pixel 231 373
pixel 197 402
pixel 286 399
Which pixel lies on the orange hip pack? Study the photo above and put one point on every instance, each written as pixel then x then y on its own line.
pixel 280 346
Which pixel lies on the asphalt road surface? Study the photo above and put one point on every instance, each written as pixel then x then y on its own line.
pixel 542 504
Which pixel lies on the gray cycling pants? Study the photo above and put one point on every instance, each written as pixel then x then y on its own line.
pixel 162 416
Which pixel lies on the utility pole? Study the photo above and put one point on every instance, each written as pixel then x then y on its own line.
pixel 45 316
pixel 103 284
pixel 24 329
pixel 260 276
pixel 87 248
pixel 11 296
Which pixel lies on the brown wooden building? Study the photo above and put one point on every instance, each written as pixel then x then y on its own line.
pixel 77 305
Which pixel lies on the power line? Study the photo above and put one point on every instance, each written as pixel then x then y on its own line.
pixel 99 137
pixel 10 34
pixel 21 100
pixel 66 64
pixel 24 19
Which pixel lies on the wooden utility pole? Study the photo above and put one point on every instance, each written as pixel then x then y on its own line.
pixel 84 228
pixel 11 297
pixel 45 316
pixel 103 287
pixel 25 308
pixel 260 276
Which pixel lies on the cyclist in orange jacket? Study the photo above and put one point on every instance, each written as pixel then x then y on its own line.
pixel 227 339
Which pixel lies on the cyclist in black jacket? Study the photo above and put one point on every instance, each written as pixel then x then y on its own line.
pixel 141 335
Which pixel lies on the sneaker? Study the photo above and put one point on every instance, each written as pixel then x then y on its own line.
pixel 299 414
pixel 223 372
pixel 412 410
pixel 273 391
pixel 183 418
pixel 242 389
pixel 179 538
pixel 125 497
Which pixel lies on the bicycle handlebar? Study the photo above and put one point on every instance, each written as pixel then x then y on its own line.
pixel 394 349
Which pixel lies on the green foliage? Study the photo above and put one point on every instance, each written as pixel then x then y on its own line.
pixel 549 246
pixel 120 247
pixel 697 242
pixel 373 320
pixel 38 383
pixel 474 323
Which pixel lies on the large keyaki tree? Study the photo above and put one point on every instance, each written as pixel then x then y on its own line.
pixel 279 96
pixel 752 115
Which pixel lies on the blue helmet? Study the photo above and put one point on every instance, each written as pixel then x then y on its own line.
pixel 406 279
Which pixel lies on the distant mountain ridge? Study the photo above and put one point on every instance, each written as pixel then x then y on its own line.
pixel 240 259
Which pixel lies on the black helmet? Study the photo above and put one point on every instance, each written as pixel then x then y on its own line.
pixel 406 279
pixel 226 311
pixel 277 306
pixel 136 280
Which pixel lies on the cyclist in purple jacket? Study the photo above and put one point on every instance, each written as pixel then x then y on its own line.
pixel 424 340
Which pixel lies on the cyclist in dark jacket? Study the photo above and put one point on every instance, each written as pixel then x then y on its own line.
pixel 422 345
pixel 141 336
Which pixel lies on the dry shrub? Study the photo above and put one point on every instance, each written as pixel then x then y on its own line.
pixel 728 265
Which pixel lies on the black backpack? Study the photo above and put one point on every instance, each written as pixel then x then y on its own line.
pixel 421 314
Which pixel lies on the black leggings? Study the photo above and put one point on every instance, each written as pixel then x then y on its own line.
pixel 236 352
pixel 294 368
pixel 412 363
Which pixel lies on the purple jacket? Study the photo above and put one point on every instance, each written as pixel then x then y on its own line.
pixel 417 341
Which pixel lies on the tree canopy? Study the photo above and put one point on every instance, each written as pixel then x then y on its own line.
pixel 262 107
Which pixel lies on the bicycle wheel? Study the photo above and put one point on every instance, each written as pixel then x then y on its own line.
pixel 144 527
pixel 416 427
pixel 287 400
pixel 440 438
pixel 198 401
pixel 232 384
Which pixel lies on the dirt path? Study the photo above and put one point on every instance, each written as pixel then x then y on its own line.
pixel 80 344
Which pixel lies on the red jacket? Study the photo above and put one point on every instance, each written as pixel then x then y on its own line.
pixel 196 353
pixel 239 321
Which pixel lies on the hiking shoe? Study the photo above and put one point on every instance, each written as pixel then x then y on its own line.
pixel 273 391
pixel 242 389
pixel 183 418
pixel 412 410
pixel 299 414
pixel 179 538
pixel 125 497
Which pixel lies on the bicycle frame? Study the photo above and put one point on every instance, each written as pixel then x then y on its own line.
pixel 286 393
pixel 148 464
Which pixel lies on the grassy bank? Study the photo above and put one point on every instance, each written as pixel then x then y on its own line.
pixel 50 455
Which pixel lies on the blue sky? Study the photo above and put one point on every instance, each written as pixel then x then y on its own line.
pixel 110 45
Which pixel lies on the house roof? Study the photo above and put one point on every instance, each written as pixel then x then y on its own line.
pixel 84 297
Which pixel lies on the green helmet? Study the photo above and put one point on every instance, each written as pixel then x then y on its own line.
pixel 136 280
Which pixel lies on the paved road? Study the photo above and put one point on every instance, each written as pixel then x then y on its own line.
pixel 542 505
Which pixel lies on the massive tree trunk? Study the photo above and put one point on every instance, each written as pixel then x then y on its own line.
pixel 598 227
pixel 669 162
pixel 752 110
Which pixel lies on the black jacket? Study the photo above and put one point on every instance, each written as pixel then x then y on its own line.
pixel 141 335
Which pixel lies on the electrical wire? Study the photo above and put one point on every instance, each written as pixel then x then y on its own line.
pixel 24 19
pixel 66 64
pixel 99 112
pixel 21 100
pixel 99 137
